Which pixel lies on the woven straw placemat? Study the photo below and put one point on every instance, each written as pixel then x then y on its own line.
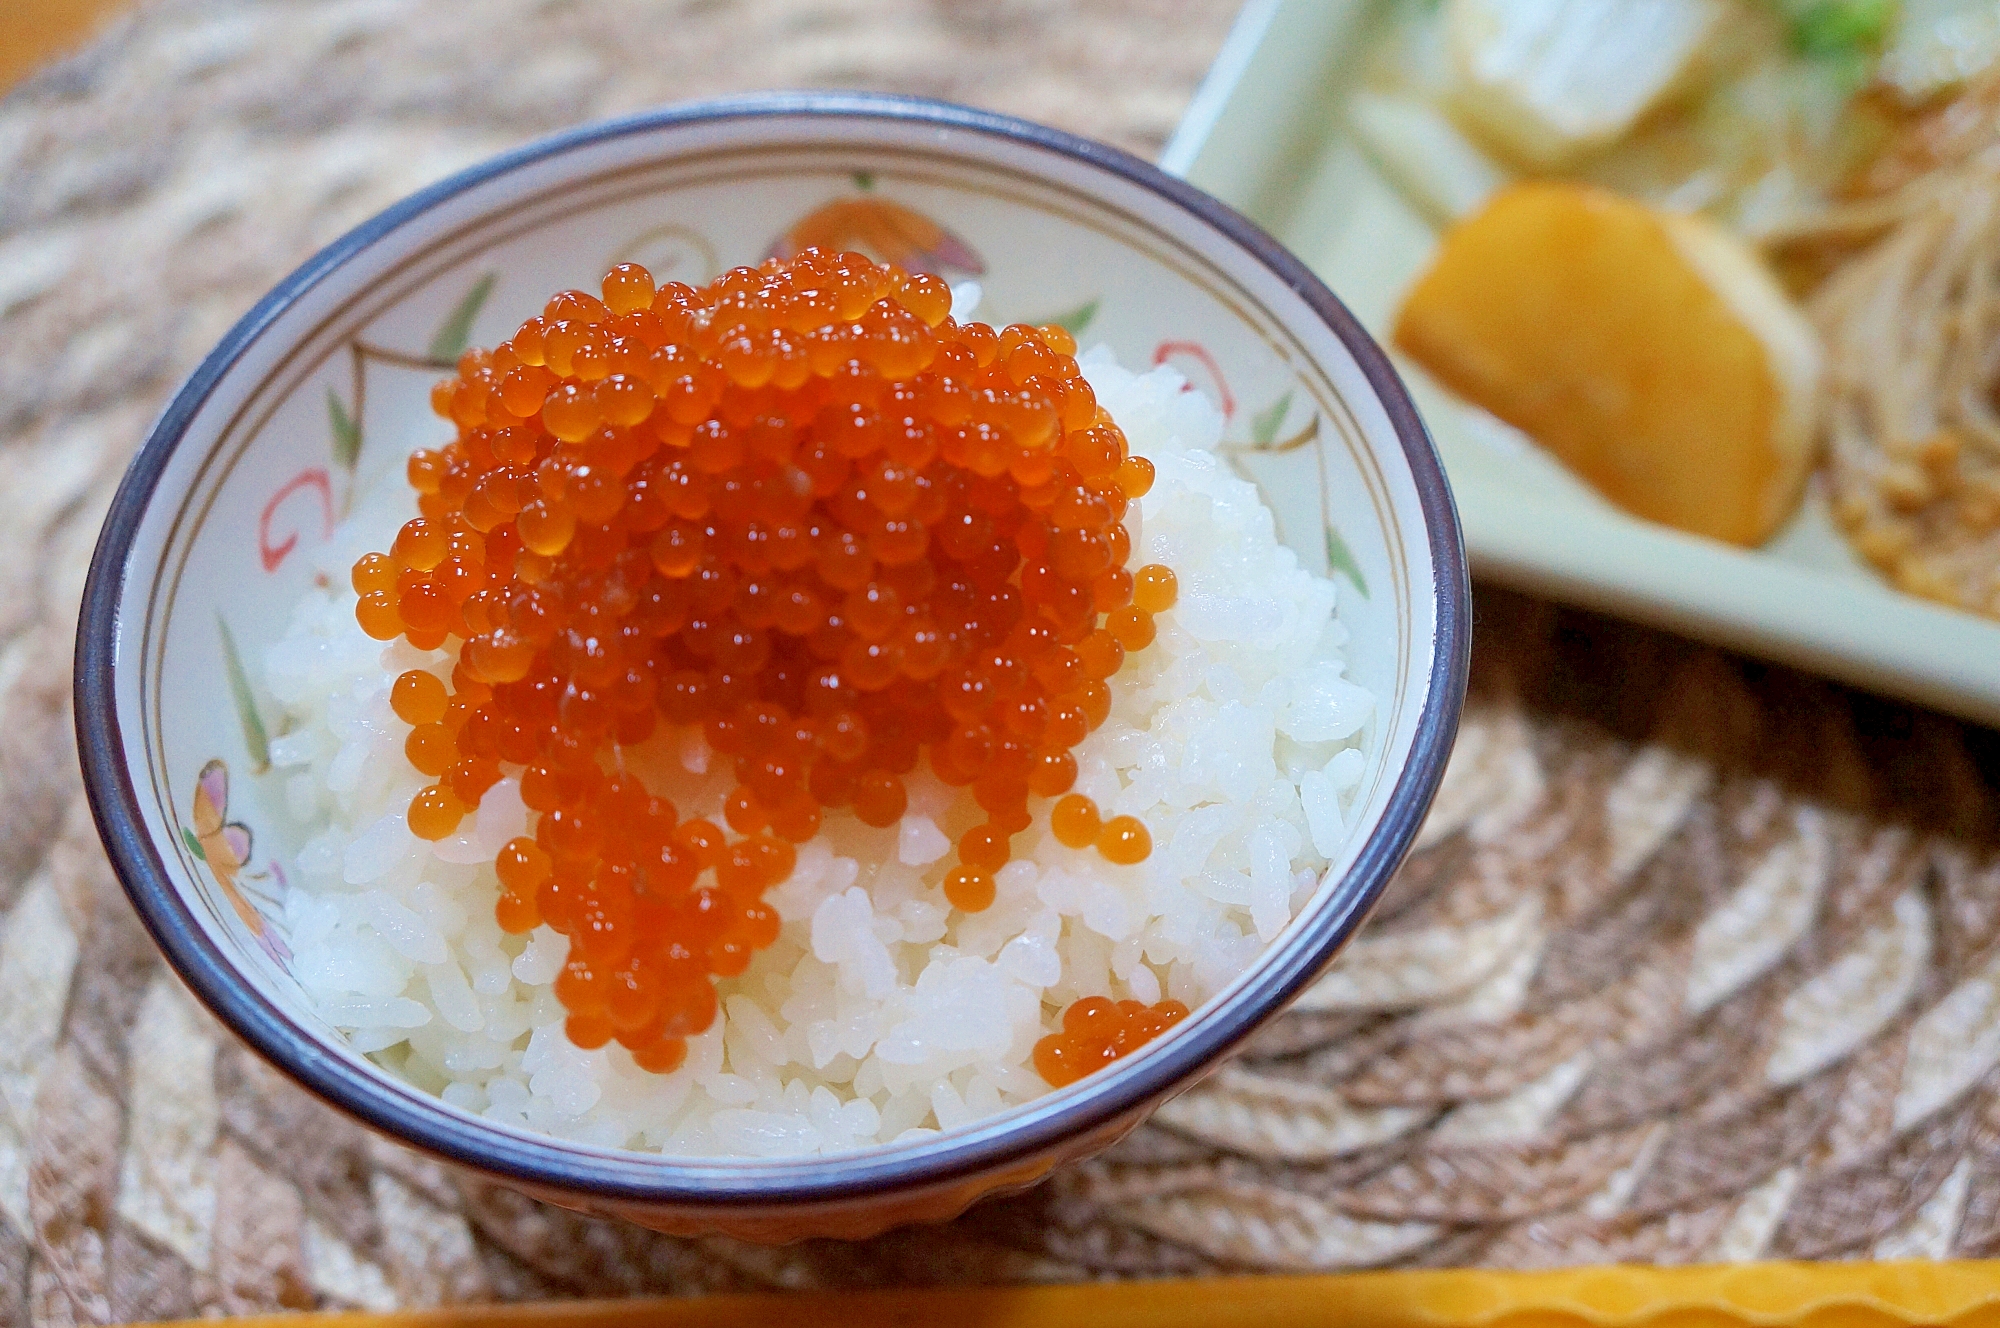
pixel 1697 959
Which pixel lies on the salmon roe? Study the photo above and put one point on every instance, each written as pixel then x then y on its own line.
pixel 1098 1030
pixel 801 508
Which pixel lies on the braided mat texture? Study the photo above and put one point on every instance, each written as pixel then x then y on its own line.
pixel 1697 960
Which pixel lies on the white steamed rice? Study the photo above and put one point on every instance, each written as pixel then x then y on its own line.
pixel 880 1014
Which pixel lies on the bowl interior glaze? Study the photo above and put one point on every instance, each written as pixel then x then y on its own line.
pixel 325 386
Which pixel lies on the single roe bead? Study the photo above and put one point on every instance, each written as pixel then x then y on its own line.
pixel 1074 821
pixel 984 847
pixel 523 866
pixel 628 287
pixel 661 1057
pixel 418 697
pixel 420 545
pixel 434 813
pixel 431 748
pixel 377 613
pixel 968 888
pixel 373 571
pixel 1135 476
pixel 1124 840
pixel 1090 1016
pixel 1056 1060
pixel 1132 626
pixel 1155 588
pixel 517 916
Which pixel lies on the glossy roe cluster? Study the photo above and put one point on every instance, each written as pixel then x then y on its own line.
pixel 801 508
pixel 1097 1031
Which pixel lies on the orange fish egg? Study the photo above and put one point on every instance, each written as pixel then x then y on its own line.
pixel 1097 1030
pixel 802 509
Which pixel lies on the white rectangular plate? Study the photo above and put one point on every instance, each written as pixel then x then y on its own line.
pixel 1267 134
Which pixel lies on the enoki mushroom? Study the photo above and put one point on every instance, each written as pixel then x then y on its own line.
pixel 1912 329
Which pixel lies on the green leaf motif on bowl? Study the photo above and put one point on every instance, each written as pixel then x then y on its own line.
pixel 454 334
pixel 255 737
pixel 346 433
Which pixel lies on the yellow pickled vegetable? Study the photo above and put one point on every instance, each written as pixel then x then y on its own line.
pixel 1652 353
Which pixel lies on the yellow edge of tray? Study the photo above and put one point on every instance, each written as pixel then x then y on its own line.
pixel 38 31
pixel 1843 1295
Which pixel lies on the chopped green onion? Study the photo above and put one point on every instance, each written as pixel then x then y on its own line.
pixel 1839 28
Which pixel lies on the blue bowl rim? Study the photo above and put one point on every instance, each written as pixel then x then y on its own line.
pixel 554 1165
